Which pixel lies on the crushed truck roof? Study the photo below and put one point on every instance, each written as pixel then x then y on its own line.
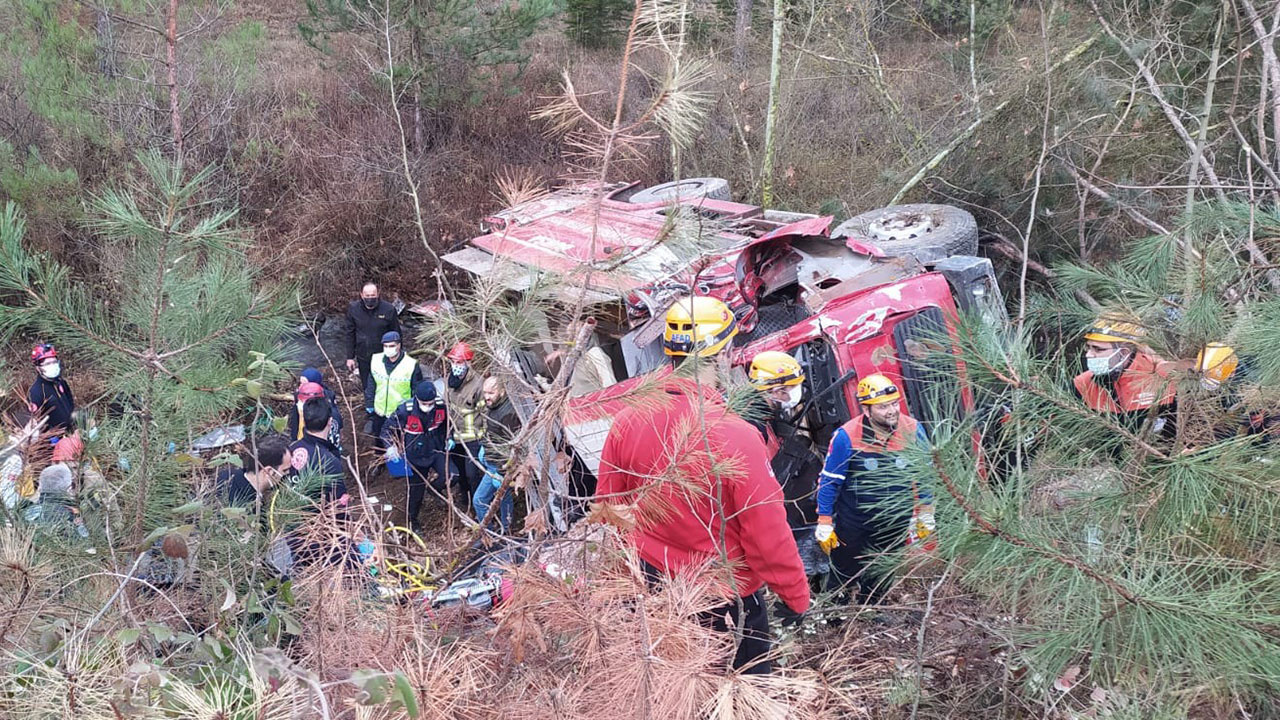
pixel 568 233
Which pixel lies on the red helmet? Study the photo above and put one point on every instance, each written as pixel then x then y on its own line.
pixel 42 352
pixel 461 353
pixel 309 391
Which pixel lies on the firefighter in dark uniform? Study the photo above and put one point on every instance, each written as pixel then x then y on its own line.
pixel 50 395
pixel 865 502
pixel 315 453
pixel 780 379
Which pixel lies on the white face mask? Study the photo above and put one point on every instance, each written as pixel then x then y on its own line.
pixel 424 407
pixel 52 370
pixel 1102 365
pixel 793 398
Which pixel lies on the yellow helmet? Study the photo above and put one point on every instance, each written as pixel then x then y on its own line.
pixel 1216 363
pixel 700 325
pixel 1116 328
pixel 771 369
pixel 876 389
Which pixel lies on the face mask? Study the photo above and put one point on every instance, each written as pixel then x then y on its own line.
pixel 369 303
pixel 1101 365
pixel 793 398
pixel 392 351
pixel 424 407
pixel 51 371
pixel 458 370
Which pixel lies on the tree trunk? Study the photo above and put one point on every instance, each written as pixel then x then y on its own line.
pixel 741 33
pixel 106 41
pixel 171 68
pixel 771 116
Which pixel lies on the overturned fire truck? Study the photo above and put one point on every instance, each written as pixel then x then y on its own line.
pixel 873 294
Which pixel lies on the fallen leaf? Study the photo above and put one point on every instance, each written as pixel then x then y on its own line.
pixel 1098 695
pixel 1067 679
pixel 622 517
pixel 229 600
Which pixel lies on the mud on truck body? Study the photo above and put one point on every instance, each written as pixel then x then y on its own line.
pixel 873 294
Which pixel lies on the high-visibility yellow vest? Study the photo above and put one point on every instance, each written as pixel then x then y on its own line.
pixel 390 390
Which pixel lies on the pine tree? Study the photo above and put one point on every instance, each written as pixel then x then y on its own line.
pixel 1146 557
pixel 597 23
pixel 166 330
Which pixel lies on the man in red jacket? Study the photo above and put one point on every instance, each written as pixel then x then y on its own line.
pixel 699 478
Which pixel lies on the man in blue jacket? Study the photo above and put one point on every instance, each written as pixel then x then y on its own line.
pixel 865 496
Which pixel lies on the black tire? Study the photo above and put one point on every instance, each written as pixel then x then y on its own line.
pixel 928 232
pixel 687 189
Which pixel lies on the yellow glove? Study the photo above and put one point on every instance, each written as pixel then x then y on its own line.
pixel 825 534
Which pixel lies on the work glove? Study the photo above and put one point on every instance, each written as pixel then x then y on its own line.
pixel 825 534
pixel 786 616
pixel 922 525
pixel 449 446
pixel 393 453
pixel 480 456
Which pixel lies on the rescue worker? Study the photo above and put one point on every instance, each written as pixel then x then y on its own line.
pixel 392 376
pixel 463 398
pixel 1123 377
pixel 1221 371
pixel 865 502
pixel 368 319
pixel 261 468
pixel 314 455
pixel 307 390
pixel 50 395
pixel 417 432
pixel 779 378
pixel 501 423
pixel 55 510
pixel 680 528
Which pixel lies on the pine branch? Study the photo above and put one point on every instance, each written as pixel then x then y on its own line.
pixel 990 528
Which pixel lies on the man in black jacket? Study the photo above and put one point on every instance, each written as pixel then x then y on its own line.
pixel 368 319
pixel 418 432
pixel 317 456
pixel 50 395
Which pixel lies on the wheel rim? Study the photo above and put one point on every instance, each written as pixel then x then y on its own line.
pixel 901 226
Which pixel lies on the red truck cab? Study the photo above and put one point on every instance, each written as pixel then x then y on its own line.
pixel 878 293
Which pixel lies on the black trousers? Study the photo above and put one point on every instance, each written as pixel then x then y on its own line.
pixel 465 461
pixel 862 537
pixel 752 655
pixel 378 421
pixel 417 484
pixel 363 360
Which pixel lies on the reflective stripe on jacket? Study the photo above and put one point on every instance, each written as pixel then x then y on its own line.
pixel 855 451
pixel 390 390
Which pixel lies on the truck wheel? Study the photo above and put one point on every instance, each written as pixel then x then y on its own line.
pixel 928 232
pixel 687 189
